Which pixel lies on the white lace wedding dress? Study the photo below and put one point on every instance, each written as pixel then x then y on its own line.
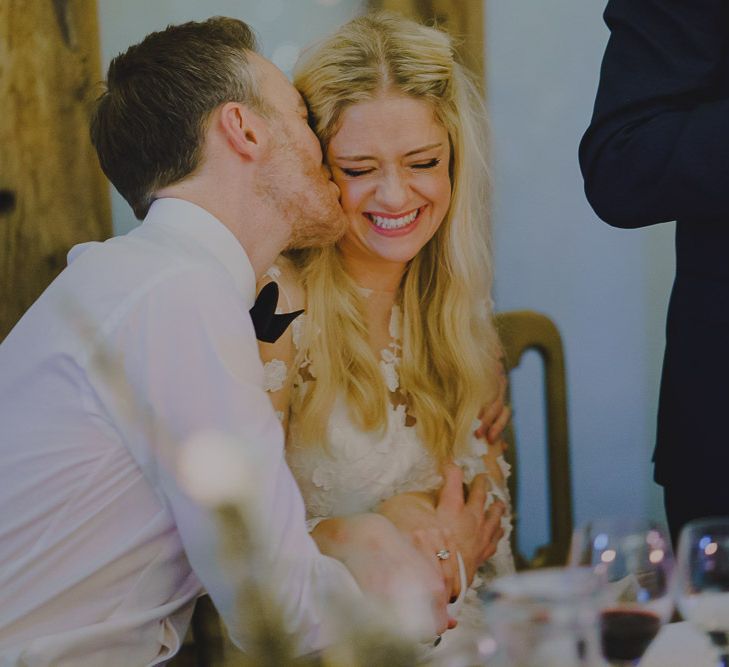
pixel 360 469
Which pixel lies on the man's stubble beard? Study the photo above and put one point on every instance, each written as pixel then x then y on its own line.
pixel 318 218
pixel 306 201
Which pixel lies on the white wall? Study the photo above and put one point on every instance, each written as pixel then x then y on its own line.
pixel 607 289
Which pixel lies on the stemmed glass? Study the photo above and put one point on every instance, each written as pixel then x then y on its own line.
pixel 702 589
pixel 634 558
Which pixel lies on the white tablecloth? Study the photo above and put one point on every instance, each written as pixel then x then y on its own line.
pixel 679 645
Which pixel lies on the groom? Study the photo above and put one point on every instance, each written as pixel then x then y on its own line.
pixel 144 342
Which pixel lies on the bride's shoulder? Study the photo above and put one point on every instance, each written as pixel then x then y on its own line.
pixel 288 278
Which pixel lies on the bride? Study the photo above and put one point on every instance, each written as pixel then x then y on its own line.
pixel 381 382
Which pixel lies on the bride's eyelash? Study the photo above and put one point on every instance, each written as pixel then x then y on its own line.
pixel 356 172
pixel 419 165
pixel 427 165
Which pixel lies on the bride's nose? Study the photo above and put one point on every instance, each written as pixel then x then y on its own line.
pixel 393 191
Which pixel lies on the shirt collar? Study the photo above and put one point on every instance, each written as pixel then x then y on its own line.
pixel 208 232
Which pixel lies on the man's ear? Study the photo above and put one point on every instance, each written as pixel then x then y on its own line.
pixel 244 129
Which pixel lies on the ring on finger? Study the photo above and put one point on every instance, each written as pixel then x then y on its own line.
pixel 443 554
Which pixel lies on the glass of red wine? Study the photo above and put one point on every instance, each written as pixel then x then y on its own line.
pixel 634 558
pixel 702 590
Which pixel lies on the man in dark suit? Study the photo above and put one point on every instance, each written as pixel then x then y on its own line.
pixel 657 150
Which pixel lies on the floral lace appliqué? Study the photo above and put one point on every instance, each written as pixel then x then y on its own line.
pixel 274 375
pixel 388 364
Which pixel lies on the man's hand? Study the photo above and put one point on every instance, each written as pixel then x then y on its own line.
pixel 495 416
pixel 386 565
pixel 451 523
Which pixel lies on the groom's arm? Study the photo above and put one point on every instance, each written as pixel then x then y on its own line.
pixel 188 354
pixel 387 565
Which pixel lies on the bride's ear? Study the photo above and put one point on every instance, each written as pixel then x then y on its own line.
pixel 244 129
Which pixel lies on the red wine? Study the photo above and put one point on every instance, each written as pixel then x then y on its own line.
pixel 626 633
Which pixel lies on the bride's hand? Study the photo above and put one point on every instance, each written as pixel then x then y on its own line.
pixel 475 531
pixel 436 524
pixel 415 515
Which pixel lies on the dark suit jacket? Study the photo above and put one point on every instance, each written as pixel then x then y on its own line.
pixel 658 150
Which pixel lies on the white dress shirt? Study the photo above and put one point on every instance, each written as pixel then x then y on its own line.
pixel 101 554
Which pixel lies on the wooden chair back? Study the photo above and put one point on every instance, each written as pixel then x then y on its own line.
pixel 521 331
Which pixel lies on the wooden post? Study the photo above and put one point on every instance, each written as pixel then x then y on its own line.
pixel 52 192
pixel 463 19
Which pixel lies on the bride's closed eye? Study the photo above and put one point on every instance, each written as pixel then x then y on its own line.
pixel 353 173
pixel 426 165
pixel 356 172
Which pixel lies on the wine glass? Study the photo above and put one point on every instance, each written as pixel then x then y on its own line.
pixel 702 589
pixel 634 558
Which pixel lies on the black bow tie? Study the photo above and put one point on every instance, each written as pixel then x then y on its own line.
pixel 268 325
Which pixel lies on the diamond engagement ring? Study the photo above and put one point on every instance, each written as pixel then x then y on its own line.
pixel 443 554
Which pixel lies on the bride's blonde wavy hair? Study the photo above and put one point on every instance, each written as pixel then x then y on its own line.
pixel 450 348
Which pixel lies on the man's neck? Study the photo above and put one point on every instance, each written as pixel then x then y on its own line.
pixel 248 220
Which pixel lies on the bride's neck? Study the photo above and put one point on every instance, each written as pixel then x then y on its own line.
pixel 379 276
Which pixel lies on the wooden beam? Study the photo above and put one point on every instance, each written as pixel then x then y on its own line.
pixel 52 192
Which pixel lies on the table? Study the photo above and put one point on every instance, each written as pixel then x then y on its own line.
pixel 679 645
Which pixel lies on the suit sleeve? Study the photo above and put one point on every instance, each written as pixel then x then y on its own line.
pixel 657 148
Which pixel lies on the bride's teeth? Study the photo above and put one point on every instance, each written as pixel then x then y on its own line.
pixel 394 223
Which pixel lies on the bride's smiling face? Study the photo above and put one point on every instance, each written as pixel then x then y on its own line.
pixel 390 158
